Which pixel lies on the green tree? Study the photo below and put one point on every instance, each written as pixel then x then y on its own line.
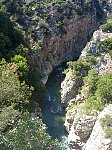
pixel 106 45
pixel 29 134
pixel 91 80
pixel 104 88
pixel 5 46
pixel 22 65
pixel 108 26
pixel 12 91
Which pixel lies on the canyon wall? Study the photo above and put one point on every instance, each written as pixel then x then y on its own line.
pixel 64 46
pixel 80 123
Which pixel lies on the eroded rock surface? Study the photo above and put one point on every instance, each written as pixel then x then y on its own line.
pixel 97 140
pixel 78 124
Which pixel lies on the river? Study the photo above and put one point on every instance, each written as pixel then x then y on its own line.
pixel 53 113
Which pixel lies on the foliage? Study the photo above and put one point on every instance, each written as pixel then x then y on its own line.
pixel 92 104
pixel 108 26
pixel 12 91
pixel 44 27
pixel 22 65
pixel 91 80
pixel 5 45
pixel 9 29
pixel 81 64
pixel 104 88
pixel 8 116
pixel 91 60
pixel 97 91
pixel 21 50
pixel 106 123
pixel 34 79
pixel 100 92
pixel 29 133
pixel 106 45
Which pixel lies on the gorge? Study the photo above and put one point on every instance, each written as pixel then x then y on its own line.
pixel 36 37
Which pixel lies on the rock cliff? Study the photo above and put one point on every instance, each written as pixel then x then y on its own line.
pixel 97 140
pixel 79 121
pixel 64 47
pixel 55 32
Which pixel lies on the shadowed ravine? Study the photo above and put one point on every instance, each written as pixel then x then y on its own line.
pixel 53 114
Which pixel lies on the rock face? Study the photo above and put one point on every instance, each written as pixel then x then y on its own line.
pixel 70 88
pixel 70 85
pixel 64 46
pixel 56 31
pixel 97 140
pixel 80 131
pixel 78 124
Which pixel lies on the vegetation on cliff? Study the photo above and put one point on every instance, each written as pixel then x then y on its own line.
pixel 23 24
pixel 106 123
pixel 96 88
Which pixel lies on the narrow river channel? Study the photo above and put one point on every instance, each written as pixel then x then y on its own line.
pixel 53 114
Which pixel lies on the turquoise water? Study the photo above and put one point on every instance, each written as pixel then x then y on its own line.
pixel 53 113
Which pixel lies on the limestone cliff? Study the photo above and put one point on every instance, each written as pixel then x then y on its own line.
pixel 55 32
pixel 97 140
pixel 79 121
pixel 64 47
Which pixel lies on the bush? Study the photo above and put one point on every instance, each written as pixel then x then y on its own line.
pixel 98 91
pixel 78 66
pixel 107 27
pixel 91 59
pixel 29 133
pixel 22 65
pixel 106 45
pixel 91 80
pixel 15 34
pixel 92 103
pixel 106 124
pixel 21 50
pixel 104 88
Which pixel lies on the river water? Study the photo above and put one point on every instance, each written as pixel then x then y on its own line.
pixel 53 114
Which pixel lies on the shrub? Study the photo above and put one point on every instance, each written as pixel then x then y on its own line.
pixel 98 91
pixel 104 88
pixel 108 26
pixel 92 103
pixel 44 27
pixel 22 65
pixel 91 80
pixel 21 50
pixel 106 124
pixel 91 59
pixel 106 45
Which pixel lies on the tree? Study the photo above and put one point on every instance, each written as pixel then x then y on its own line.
pixel 104 88
pixel 29 134
pixel 22 65
pixel 5 45
pixel 91 80
pixel 12 91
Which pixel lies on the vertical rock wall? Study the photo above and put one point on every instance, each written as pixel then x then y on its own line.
pixel 65 47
